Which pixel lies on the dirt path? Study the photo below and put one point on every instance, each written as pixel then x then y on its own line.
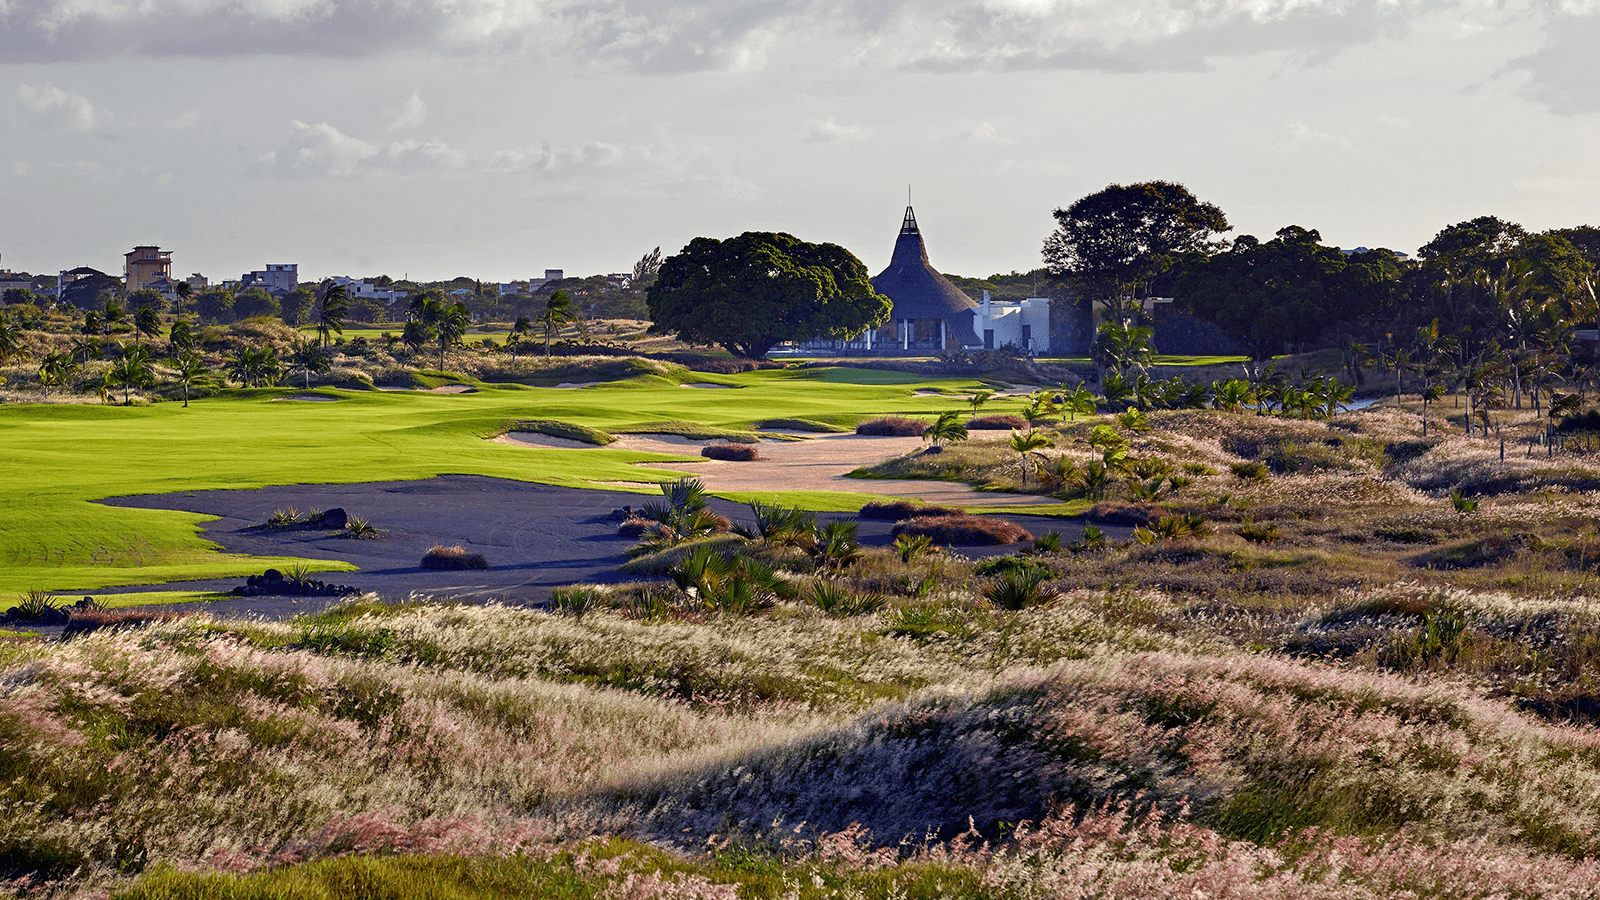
pixel 820 463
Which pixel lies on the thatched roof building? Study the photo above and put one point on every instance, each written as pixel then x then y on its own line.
pixel 929 311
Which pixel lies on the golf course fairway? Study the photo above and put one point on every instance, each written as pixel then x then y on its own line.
pixel 56 460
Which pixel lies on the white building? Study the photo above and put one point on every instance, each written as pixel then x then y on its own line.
pixel 275 278
pixel 1023 325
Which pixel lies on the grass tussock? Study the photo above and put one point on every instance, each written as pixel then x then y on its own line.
pixel 453 558
pixel 1004 422
pixel 892 426
pixel 963 529
pixel 895 510
pixel 567 430
pixel 731 452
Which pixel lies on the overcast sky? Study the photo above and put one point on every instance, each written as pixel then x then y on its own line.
pixel 498 138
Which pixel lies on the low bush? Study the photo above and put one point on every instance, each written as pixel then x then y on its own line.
pixel 636 527
pixel 896 510
pixel 998 423
pixel 892 426
pixel 836 599
pixel 1020 589
pixel 660 562
pixel 1126 513
pixel 1254 470
pixel 95 619
pixel 731 452
pixel 453 558
pixel 1259 532
pixel 963 529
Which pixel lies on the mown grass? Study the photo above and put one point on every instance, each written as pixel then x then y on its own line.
pixel 55 460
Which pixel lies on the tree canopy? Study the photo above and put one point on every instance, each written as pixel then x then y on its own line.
pixel 1287 290
pixel 752 292
pixel 1119 239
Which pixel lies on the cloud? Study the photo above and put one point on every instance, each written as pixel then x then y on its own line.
pixel 829 131
pixel 323 151
pixel 1561 73
pixel 412 113
pixel 56 109
pixel 723 35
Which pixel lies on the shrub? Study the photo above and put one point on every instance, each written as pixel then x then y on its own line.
pixel 1006 565
pixel 998 423
pixel 892 426
pixel 963 529
pixel 361 528
pixel 800 425
pixel 575 601
pixel 911 546
pixel 1259 532
pixel 94 619
pixel 1093 538
pixel 636 527
pixel 1020 589
pixel 1126 513
pixel 453 558
pixel 791 526
pixel 836 545
pixel 837 599
pixel 731 452
pixel 287 516
pixel 896 510
pixel 1255 470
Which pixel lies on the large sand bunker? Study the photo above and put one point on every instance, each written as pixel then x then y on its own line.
pixel 820 463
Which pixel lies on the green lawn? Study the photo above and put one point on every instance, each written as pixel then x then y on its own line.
pixel 56 459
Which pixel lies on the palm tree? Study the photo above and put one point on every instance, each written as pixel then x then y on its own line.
pixel 113 316
pixel 254 368
pixel 146 322
pixel 55 370
pixel 445 324
pixel 1431 349
pixel 518 332
pixel 1231 395
pixel 185 293
pixel 308 357
pixel 190 369
pixel 88 348
pixel 11 346
pixel 416 336
pixel 978 399
pixel 947 427
pixel 1078 401
pixel 136 368
pixel 331 315
pixel 181 337
pixel 557 312
pixel 1025 443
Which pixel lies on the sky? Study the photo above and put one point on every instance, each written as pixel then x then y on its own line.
pixel 498 138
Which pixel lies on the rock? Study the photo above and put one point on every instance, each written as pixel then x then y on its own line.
pixel 334 518
pixel 272 575
pixel 933 449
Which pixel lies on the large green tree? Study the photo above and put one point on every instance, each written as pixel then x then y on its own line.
pixel 1118 240
pixel 752 292
pixel 1285 291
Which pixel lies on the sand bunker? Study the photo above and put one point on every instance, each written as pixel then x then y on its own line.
pixel 312 398
pixel 818 464
pixel 705 384
pixel 535 439
pixel 574 385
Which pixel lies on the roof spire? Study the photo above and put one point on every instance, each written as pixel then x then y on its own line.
pixel 908 225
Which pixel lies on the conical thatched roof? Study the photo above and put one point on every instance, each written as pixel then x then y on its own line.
pixel 918 291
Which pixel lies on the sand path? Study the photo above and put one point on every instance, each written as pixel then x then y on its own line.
pixel 820 463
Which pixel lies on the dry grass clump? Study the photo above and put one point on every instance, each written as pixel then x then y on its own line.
pixel 892 426
pixel 963 528
pixel 731 452
pixel 1114 513
pixel 453 558
pixel 86 621
pixel 895 510
pixel 1004 422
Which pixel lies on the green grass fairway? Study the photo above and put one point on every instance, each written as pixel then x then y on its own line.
pixel 56 459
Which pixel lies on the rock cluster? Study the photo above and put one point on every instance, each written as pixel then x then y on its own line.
pixel 271 583
pixel 55 615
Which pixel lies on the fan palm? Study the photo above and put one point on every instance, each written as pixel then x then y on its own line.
pixel 558 311
pixel 331 315
pixel 1026 443
pixel 190 369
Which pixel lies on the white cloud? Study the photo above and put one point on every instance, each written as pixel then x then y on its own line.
pixel 323 151
pixel 726 35
pixel 56 108
pixel 983 131
pixel 828 131
pixel 183 120
pixel 411 114
pixel 1561 73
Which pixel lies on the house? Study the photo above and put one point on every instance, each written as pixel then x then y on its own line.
pixel 1022 325
pixel 10 280
pixel 366 289
pixel 145 264
pixel 277 278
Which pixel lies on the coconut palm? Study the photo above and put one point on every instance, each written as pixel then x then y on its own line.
pixel 978 399
pixel 558 311
pixel 416 336
pixel 255 368
pixel 947 427
pixel 11 345
pixel 146 322
pixel 55 370
pixel 190 369
pixel 136 368
pixel 519 331
pixel 445 324
pixel 331 315
pixel 309 357
pixel 1026 443
pixel 181 337
pixel 1231 395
